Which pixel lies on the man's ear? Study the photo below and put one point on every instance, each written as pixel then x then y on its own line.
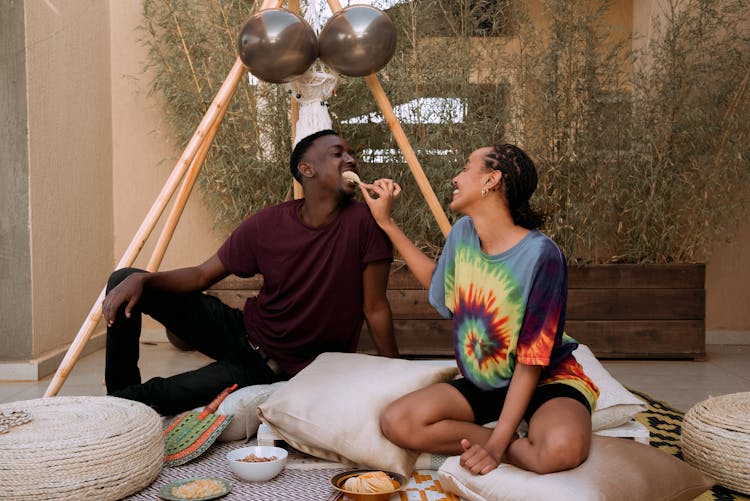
pixel 306 169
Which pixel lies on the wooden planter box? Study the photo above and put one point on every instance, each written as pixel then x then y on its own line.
pixel 639 311
pixel 619 311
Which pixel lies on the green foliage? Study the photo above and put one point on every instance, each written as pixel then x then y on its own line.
pixel 688 175
pixel 572 104
pixel 192 46
pixel 436 57
pixel 642 154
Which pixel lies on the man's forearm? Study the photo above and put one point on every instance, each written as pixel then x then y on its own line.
pixel 180 280
pixel 380 324
pixel 191 279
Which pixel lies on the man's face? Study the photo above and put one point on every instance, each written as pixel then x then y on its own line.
pixel 330 156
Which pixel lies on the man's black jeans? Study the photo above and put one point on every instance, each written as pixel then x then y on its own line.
pixel 203 322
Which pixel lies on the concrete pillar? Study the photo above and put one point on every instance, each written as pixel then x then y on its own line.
pixel 15 245
pixel 55 177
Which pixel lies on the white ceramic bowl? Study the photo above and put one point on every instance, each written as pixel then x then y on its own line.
pixel 257 471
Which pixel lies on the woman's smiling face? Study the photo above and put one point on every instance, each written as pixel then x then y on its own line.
pixel 468 184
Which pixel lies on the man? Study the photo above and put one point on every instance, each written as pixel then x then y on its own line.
pixel 325 265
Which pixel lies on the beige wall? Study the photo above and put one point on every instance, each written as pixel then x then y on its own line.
pixel 728 268
pixel 144 152
pixel 91 148
pixel 143 156
pixel 727 289
pixel 69 144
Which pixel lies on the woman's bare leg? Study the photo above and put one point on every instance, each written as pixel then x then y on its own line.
pixel 433 419
pixel 559 438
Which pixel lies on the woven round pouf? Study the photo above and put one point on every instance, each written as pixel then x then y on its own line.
pixel 77 448
pixel 716 439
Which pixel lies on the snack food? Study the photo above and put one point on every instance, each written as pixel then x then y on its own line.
pixel 198 489
pixel 370 482
pixel 351 176
pixel 252 458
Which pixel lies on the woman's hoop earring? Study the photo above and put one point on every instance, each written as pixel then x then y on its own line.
pixel 484 192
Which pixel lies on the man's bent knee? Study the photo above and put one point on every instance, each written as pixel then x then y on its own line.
pixel 118 276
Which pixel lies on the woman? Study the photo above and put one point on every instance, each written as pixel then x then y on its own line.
pixel 504 284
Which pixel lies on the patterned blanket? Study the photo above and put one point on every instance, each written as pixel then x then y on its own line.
pixel 304 479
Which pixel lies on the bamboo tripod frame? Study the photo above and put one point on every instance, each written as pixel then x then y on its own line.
pixel 189 165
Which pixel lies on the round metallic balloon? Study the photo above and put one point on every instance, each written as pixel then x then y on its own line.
pixel 277 46
pixel 358 40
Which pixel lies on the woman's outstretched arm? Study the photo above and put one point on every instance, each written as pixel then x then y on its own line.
pixel 387 190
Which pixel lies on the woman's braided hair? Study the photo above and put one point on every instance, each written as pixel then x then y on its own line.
pixel 519 179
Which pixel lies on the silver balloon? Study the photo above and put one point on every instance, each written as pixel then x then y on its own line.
pixel 358 40
pixel 277 46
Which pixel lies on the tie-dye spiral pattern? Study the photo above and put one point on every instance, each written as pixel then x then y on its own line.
pixel 487 315
pixel 507 308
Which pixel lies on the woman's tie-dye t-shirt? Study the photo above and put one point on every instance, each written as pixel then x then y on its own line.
pixel 507 308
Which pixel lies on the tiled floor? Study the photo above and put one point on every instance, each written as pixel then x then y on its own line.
pixel 726 369
pixel 680 383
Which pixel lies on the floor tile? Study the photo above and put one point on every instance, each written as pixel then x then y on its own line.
pixel 726 369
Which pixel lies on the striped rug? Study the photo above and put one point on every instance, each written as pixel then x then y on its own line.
pixel 304 479
pixel 665 425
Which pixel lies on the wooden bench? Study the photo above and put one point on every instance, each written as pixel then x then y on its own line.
pixel 619 311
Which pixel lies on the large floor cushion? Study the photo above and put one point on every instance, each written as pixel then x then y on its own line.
pixel 76 448
pixel 332 408
pixel 616 469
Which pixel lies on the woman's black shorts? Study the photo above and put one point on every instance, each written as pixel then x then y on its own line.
pixel 487 404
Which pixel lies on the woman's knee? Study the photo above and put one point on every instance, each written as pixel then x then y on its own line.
pixel 118 276
pixel 563 451
pixel 395 424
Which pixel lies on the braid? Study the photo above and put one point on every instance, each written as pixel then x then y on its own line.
pixel 520 180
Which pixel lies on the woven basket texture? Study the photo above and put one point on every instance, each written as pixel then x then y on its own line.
pixel 78 448
pixel 716 439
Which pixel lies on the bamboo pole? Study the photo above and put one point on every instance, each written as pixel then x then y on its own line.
pixel 182 197
pixel 270 4
pixel 411 158
pixel 403 143
pixel 294 6
pixel 217 108
pixel 299 192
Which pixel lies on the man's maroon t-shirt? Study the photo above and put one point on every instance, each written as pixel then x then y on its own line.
pixel 311 299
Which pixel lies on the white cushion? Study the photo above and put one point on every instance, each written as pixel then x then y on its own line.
pixel 616 469
pixel 615 405
pixel 331 409
pixel 243 405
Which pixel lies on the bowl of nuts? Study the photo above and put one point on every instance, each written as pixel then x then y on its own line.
pixel 257 463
